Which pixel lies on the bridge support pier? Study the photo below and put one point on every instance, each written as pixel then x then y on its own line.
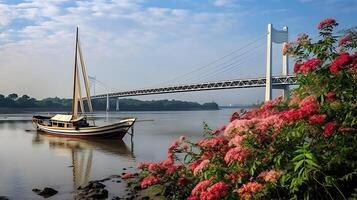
pixel 279 37
pixel 108 106
pixel 117 105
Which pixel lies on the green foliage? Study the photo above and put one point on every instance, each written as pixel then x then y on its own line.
pixel 14 101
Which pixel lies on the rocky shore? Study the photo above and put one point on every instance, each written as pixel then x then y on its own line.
pixel 98 190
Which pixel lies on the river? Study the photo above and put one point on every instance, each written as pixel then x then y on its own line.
pixel 29 160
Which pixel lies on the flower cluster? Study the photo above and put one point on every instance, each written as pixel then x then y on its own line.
pixel 328 22
pixel 270 176
pixel 308 66
pixel 341 61
pixel 248 190
pixel 296 147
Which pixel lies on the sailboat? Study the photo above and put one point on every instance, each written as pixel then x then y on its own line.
pixel 76 123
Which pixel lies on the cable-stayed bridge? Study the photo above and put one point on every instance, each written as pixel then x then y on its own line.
pixel 277 82
pixel 270 82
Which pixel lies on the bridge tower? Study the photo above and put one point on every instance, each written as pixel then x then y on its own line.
pixel 278 37
pixel 108 106
pixel 117 105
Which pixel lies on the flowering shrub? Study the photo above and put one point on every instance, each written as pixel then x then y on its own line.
pixel 300 148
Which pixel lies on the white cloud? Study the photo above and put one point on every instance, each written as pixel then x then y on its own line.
pixel 223 2
pixel 119 38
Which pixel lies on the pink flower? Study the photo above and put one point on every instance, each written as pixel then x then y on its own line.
pixel 200 187
pixel 236 154
pixel 215 192
pixel 329 129
pixel 317 119
pixel 142 165
pixel 248 190
pixel 214 142
pixel 155 167
pixel 339 62
pixel 270 176
pixel 328 22
pixel 201 167
pixel 192 198
pixel 126 176
pixel 192 166
pixel 173 146
pixel 148 181
pixel 236 141
pixel 238 126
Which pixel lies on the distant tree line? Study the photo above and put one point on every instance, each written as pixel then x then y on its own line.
pixel 15 101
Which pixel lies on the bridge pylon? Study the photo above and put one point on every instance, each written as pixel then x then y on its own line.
pixel 117 105
pixel 278 37
pixel 108 104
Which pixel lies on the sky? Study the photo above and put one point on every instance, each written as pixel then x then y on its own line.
pixel 133 44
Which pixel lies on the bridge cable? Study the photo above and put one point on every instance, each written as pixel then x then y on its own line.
pixel 214 61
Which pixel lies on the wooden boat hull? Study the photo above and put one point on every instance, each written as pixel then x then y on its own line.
pixel 116 130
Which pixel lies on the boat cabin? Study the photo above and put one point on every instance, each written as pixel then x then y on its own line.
pixel 62 121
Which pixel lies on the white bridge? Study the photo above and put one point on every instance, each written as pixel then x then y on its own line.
pixel 278 82
pixel 269 82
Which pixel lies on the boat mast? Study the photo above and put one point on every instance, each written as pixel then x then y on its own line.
pixel 85 78
pixel 75 100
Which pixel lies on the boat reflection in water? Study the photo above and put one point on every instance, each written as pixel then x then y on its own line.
pixel 81 153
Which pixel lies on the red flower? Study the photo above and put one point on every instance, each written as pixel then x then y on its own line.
pixel 329 129
pixel 310 65
pixel 326 23
pixel 342 60
pixel 297 67
pixel 317 119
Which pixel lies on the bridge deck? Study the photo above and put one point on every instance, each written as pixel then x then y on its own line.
pixel 277 82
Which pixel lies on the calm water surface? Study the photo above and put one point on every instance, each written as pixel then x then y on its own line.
pixel 29 160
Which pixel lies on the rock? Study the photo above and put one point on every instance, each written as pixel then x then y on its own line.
pixel 94 184
pixel 97 193
pixel 124 168
pixel 4 198
pixel 46 192
pixel 36 190
pixel 118 181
